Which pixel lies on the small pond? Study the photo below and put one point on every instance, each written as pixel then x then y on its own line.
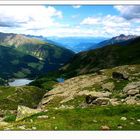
pixel 20 82
pixel 60 80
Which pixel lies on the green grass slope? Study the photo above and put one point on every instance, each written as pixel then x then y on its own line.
pixel 106 57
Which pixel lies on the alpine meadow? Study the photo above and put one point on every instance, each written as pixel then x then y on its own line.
pixel 70 67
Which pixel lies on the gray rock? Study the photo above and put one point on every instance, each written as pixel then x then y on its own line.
pixel 105 127
pixel 120 127
pixel 108 86
pixel 34 128
pixel 130 101
pixel 23 112
pixel 22 127
pixel 102 101
pixel 119 76
pixel 132 86
pixel 133 92
pixel 93 96
pixel 114 102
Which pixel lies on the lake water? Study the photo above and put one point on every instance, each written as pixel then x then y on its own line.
pixel 20 82
pixel 60 80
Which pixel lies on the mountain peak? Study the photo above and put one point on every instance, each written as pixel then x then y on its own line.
pixel 123 37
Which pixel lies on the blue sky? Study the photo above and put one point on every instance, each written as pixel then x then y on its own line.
pixel 69 12
pixel 71 20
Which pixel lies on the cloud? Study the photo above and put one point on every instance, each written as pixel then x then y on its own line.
pixel 108 20
pixel 129 12
pixel 110 25
pixel 76 6
pixel 28 16
pixel 91 21
pixel 48 21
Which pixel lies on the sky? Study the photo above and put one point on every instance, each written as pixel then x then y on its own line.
pixel 71 20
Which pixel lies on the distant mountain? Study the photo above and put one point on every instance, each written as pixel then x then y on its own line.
pixel 118 39
pixel 49 55
pixel 105 57
pixel 76 44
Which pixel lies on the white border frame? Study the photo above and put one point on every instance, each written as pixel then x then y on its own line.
pixel 69 135
pixel 70 2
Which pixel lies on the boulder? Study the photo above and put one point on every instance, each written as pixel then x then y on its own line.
pixel 130 101
pixel 114 102
pixel 102 101
pixel 108 86
pixel 95 97
pixel 132 88
pixel 119 76
pixel 133 92
pixel 23 112
pixel 105 127
pixel 90 99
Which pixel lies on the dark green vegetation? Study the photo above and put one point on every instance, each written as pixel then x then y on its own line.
pixel 46 81
pixel 16 64
pixel 85 119
pixel 21 56
pixel 102 58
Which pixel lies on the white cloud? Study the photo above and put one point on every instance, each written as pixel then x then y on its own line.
pixel 28 16
pixel 109 20
pixel 48 21
pixel 91 21
pixel 110 25
pixel 76 6
pixel 129 12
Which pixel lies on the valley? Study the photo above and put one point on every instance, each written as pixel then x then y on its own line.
pixel 48 87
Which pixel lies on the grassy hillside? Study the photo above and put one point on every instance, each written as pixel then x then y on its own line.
pixel 16 64
pixel 64 107
pixel 35 47
pixel 106 57
pixel 22 56
pixel 11 97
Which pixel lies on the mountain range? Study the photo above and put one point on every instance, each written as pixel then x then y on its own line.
pixel 76 44
pixel 124 53
pixel 23 56
pixel 114 40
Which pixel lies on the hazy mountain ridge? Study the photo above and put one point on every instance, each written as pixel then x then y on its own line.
pixel 114 40
pixel 76 44
pixel 105 57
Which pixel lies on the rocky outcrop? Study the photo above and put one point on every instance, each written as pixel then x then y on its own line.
pixel 107 88
pixel 74 87
pixel 98 98
pixel 132 88
pixel 119 76
pixel 23 112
